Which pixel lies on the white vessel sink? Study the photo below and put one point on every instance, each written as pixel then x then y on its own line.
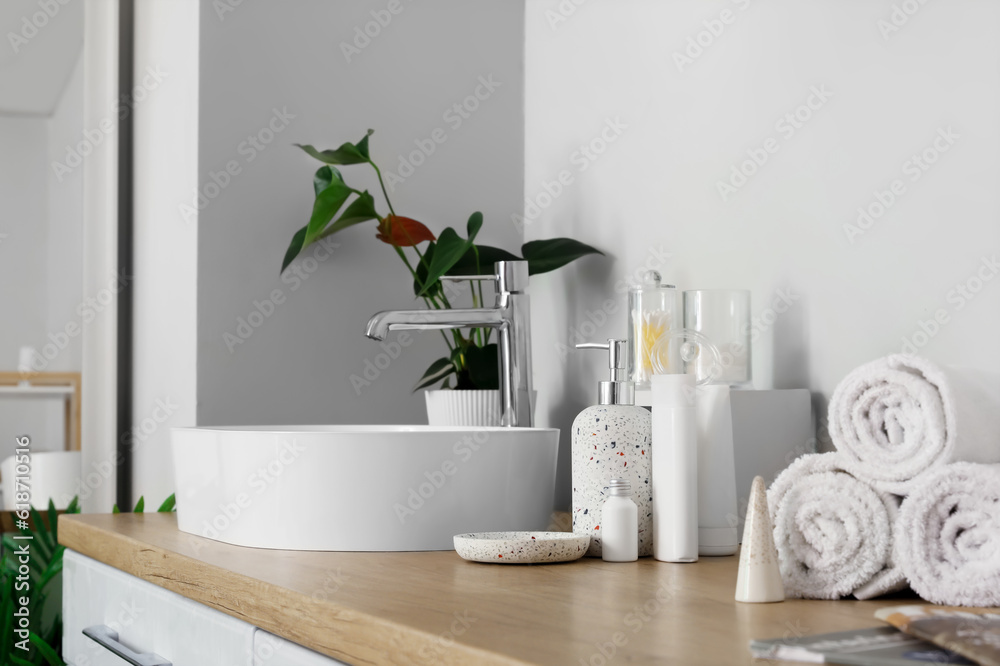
pixel 361 488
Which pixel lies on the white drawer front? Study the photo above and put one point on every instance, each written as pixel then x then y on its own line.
pixel 147 618
pixel 271 650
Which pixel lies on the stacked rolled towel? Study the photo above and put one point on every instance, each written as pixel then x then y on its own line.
pixel 833 532
pixel 898 418
pixel 948 535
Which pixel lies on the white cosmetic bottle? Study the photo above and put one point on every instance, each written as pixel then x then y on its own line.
pixel 612 439
pixel 675 469
pixel 716 472
pixel 620 524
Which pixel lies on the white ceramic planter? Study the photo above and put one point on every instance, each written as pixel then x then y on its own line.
pixel 476 409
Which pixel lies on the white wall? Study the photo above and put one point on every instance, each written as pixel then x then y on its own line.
pixel 41 258
pixel 165 249
pixel 856 298
pixel 296 366
pixel 23 272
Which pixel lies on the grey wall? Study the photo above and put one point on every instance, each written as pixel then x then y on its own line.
pixel 296 366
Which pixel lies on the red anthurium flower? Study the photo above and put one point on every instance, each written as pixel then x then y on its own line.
pixel 402 231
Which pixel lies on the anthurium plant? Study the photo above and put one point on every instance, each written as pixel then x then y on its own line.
pixel 472 357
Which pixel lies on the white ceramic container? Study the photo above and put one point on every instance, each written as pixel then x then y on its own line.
pixel 361 488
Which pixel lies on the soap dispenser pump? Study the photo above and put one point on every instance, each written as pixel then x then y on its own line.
pixel 612 440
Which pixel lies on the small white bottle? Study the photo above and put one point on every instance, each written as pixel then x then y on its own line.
pixel 620 524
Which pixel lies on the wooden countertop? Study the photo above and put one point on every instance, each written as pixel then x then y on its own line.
pixel 435 608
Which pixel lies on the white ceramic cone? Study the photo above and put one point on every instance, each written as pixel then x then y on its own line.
pixel 759 578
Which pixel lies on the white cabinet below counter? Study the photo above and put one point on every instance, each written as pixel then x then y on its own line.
pixel 271 650
pixel 136 622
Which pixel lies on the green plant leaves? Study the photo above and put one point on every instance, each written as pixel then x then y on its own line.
pixel 487 256
pixel 348 153
pixel 548 255
pixel 50 655
pixel 168 504
pixel 483 366
pixel 327 203
pixel 449 249
pixel 438 370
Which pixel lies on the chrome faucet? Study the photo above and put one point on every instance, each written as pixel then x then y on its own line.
pixel 510 316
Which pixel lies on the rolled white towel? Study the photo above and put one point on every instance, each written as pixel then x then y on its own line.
pixel 896 418
pixel 832 531
pixel 948 535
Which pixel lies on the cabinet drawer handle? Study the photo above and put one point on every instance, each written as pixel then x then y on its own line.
pixel 108 639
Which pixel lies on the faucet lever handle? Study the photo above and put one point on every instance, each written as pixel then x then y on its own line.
pixel 457 278
pixel 510 276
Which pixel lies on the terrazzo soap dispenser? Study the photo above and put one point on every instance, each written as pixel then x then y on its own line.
pixel 612 440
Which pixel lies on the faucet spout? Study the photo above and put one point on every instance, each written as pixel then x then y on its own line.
pixel 424 320
pixel 510 316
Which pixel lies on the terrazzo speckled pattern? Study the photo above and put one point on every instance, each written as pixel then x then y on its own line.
pixel 521 547
pixel 611 441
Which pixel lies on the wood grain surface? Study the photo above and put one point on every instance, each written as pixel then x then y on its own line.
pixel 435 608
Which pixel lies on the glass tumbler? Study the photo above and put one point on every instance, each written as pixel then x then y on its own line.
pixel 722 316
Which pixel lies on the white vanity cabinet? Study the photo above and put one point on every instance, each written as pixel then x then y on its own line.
pixel 141 624
pixel 271 650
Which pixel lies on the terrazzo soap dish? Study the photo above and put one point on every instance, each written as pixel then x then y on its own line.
pixel 521 547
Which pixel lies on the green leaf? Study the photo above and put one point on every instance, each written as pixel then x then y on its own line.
pixel 44 649
pixel 327 203
pixel 115 509
pixel 421 271
pixel 474 224
pixel 449 249
pixel 488 256
pixel 324 176
pixel 53 521
pixel 548 255
pixel 74 506
pixel 438 370
pixel 360 210
pixel 43 537
pixel 483 367
pixel 294 248
pixel 140 506
pixel 348 153
pixel 168 504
